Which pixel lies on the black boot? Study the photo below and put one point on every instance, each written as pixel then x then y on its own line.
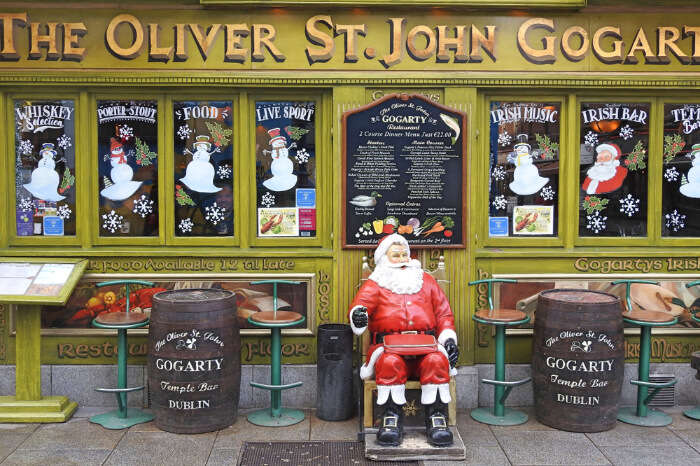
pixel 390 432
pixel 436 428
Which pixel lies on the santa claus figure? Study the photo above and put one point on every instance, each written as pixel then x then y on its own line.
pixel 606 175
pixel 399 298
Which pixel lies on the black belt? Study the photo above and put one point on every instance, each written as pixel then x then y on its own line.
pixel 379 336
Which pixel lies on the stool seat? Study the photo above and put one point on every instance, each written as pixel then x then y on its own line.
pixel 501 315
pixel 654 317
pixel 121 318
pixel 283 317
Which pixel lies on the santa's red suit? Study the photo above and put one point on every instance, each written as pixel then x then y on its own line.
pixel 393 308
pixel 606 186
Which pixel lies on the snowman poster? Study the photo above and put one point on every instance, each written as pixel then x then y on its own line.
pixel 681 171
pixel 45 167
pixel 127 157
pixel 285 159
pixel 523 164
pixel 203 177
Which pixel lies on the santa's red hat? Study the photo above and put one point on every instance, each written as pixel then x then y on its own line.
pixel 614 149
pixel 386 242
pixel 115 146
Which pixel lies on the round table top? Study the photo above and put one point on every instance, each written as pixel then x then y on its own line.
pixel 121 318
pixel 643 315
pixel 501 315
pixel 283 317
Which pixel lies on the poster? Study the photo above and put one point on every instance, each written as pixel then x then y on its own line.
pixel 533 220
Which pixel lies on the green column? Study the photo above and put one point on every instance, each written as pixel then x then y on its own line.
pixel 500 370
pixel 121 370
pixel 643 374
pixel 275 371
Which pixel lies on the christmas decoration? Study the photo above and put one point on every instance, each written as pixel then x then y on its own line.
pixel 504 139
pixel 112 221
pixel 671 174
pixel 199 175
pixel 185 225
pixel 64 211
pixel 268 199
pixel 673 144
pixel 144 155
pixel 64 142
pixel 122 185
pixel 184 132
pixel 526 177
pixel 126 132
pixel 143 206
pixel 629 205
pixel 548 149
pixel 626 132
pixel 182 197
pixel 499 203
pixel 219 135
pixel 547 193
pixel 635 159
pixel 591 138
pixel 25 147
pixel 498 173
pixel 594 203
pixel 224 171
pixel 44 181
pixel 675 221
pixel 295 133
pixel 302 156
pixel 596 222
pixel 67 181
pixel 214 213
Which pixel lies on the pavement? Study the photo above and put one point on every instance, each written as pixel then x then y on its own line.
pixel 82 443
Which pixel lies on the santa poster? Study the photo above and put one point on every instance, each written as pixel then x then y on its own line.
pixel 524 164
pixel 203 144
pixel 127 154
pixel 680 215
pixel 613 160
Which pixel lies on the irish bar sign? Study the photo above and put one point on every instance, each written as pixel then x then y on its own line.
pixel 404 172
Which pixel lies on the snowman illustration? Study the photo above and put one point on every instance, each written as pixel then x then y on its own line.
pixel 44 181
pixel 526 178
pixel 282 167
pixel 199 175
pixel 692 187
pixel 122 185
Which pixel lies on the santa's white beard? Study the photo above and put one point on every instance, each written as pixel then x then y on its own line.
pixel 603 171
pixel 401 278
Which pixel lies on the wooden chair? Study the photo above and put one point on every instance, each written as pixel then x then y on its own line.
pixel 370 386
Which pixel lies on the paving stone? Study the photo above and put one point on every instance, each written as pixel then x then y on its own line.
pixel 549 448
pixel 246 398
pixel 680 421
pixel 76 434
pixel 303 397
pixel 531 424
pixel 162 448
pixel 330 430
pixel 475 433
pixel 223 457
pixel 690 436
pixel 242 431
pixel 9 441
pixel 7 380
pixel 520 396
pixel 467 379
pixel 58 457
pixel 19 428
pixel 681 455
pixel 628 435
pixel 476 456
pixel 79 382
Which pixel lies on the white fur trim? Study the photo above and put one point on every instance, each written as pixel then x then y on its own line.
pixel 356 330
pixel 386 243
pixel 367 369
pixel 429 393
pixel 444 389
pixel 593 187
pixel 398 394
pixel 453 370
pixel 446 335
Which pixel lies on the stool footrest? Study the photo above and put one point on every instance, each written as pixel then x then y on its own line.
pixel 120 390
pixel 504 383
pixel 276 387
pixel 654 384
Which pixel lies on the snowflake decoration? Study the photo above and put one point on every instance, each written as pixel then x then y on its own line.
pixel 126 132
pixel 64 211
pixel 629 205
pixel 675 221
pixel 626 132
pixel 143 206
pixel 500 202
pixel 112 221
pixel 596 222
pixel 184 132
pixel 671 174
pixel 25 147
pixel 302 155
pixel 214 213
pixel 25 204
pixel 64 142
pixel 224 172
pixel 498 173
pixel 185 225
pixel 504 139
pixel 268 199
pixel 591 138
pixel 547 193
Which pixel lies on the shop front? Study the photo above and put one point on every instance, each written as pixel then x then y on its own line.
pixel 199 145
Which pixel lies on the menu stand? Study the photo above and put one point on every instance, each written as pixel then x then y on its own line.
pixel 28 405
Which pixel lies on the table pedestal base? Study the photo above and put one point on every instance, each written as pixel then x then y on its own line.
pixel 46 409
pixel 265 418
pixel 511 417
pixel 114 419
pixel 654 418
pixel 693 413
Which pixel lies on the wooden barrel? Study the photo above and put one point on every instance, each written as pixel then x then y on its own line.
pixel 194 362
pixel 578 359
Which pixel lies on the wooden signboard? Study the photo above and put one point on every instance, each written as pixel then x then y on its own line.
pixel 404 171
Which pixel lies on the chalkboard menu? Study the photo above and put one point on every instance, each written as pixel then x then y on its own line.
pixel 404 172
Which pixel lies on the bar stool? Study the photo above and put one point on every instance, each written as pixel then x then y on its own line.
pixel 642 415
pixel 694 413
pixel 500 318
pixel 275 320
pixel 122 417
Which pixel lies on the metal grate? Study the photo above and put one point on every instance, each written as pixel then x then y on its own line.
pixel 316 453
pixel 665 396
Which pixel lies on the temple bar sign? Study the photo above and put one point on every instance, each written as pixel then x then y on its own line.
pixel 357 41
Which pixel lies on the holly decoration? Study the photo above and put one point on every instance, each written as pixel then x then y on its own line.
pixel 219 135
pixel 182 197
pixel 635 159
pixel 673 144
pixel 144 155
pixel 67 181
pixel 295 132
pixel 594 203
pixel 548 148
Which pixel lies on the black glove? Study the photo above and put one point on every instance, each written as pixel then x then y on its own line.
pixel 452 352
pixel 359 317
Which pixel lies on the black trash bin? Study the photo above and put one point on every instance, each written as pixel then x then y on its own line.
pixel 335 401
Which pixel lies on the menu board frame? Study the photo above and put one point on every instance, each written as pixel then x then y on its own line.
pixel 79 266
pixel 461 208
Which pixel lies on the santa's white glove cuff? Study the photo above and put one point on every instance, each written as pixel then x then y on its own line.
pixel 356 330
pixel 446 335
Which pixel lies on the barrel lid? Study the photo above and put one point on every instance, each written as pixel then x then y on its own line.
pixel 193 295
pixel 579 296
